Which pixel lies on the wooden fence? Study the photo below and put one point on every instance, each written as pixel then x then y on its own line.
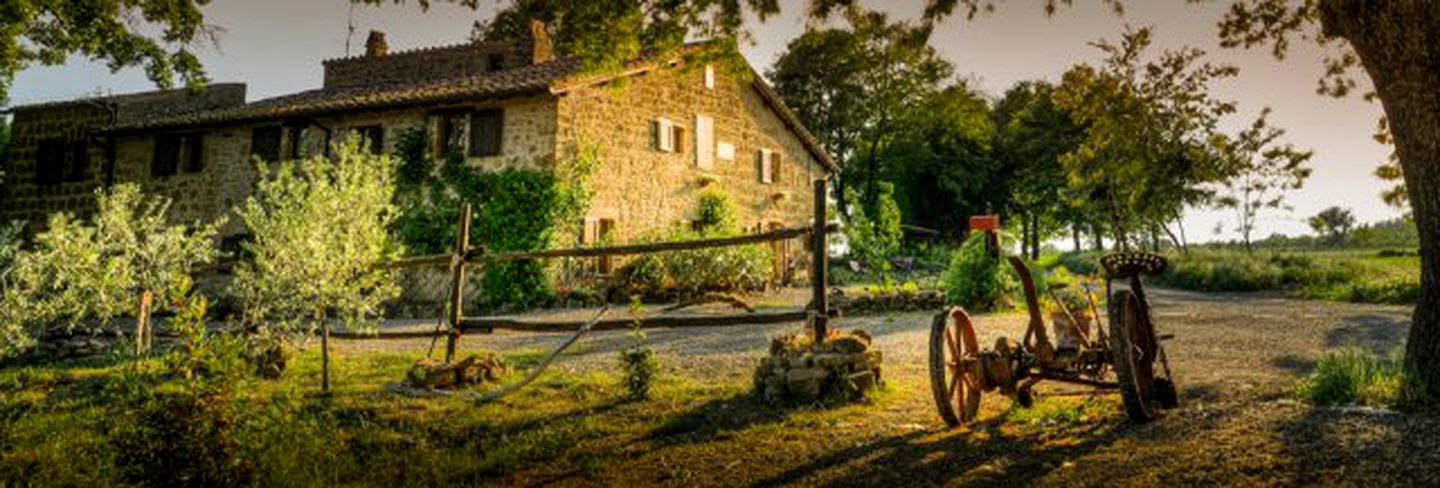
pixel 464 255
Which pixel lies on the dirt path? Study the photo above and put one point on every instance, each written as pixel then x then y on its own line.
pixel 1235 357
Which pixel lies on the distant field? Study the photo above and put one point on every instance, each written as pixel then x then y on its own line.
pixel 1349 275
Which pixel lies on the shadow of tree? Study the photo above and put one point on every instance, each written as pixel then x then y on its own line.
pixel 1377 334
pixel 716 418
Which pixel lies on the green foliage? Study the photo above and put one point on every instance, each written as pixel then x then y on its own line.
pixel 511 210
pixel 80 270
pixel 875 240
pixel 638 362
pixel 111 31
pixel 319 229
pixel 975 279
pixel 715 212
pixel 733 268
pixel 1355 377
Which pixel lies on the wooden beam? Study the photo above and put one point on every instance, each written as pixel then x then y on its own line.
pixel 663 321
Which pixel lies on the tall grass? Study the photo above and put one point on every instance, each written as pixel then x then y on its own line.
pixel 1353 376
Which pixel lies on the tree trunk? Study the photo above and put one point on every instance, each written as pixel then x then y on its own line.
pixel 142 323
pixel 1075 236
pixel 1098 236
pixel 1398 43
pixel 1035 237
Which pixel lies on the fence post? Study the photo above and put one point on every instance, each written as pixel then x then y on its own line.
pixel 820 265
pixel 457 286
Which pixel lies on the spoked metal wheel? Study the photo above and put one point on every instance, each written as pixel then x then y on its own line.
pixel 1133 349
pixel 955 366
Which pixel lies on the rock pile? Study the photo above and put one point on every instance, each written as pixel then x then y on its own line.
pixel 845 367
pixel 901 300
pixel 66 345
pixel 473 370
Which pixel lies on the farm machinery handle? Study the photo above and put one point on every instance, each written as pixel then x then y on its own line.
pixel 961 371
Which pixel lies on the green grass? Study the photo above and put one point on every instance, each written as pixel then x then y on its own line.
pixel 60 423
pixel 1355 377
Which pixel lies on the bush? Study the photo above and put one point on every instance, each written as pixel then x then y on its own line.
pixel 1355 377
pixel 689 273
pixel 975 279
pixel 875 235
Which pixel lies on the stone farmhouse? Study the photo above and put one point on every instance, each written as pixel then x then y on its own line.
pixel 662 136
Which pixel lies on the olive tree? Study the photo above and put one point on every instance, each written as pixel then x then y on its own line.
pixel 84 273
pixel 320 228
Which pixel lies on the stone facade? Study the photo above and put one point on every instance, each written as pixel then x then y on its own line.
pixel 546 110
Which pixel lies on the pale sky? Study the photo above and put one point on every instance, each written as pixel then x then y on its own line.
pixel 276 46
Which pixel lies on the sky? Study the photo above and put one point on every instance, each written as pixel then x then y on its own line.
pixel 276 47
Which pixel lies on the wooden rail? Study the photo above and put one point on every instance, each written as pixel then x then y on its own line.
pixel 480 255
pixel 483 324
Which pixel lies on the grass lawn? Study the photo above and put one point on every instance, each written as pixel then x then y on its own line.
pixel 60 428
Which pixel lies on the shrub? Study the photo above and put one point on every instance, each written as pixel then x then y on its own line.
pixel 1355 377
pixel 320 227
pixel 688 273
pixel 99 268
pixel 975 279
pixel 875 235
pixel 638 361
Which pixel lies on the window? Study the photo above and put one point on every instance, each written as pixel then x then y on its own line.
pixel 50 162
pixel 485 131
pixel 167 155
pixel 768 163
pixel 710 77
pixel 373 136
pixel 193 152
pixel 450 135
pixel 594 232
pixel 495 62
pixel 666 136
pixel 265 143
pixel 293 136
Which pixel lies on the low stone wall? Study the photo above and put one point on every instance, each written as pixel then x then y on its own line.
pixel 57 345
pixel 862 302
pixel 844 368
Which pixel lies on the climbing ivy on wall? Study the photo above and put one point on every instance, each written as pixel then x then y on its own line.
pixel 512 209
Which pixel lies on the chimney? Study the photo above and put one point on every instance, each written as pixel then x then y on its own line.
pixel 540 48
pixel 375 45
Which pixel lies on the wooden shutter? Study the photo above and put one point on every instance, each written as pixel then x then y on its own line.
pixel 373 137
pixel 775 164
pixel 678 139
pixel 704 142
pixel 605 229
pixel 766 165
pixel 79 161
pixel 167 155
pixel 485 131
pixel 265 143
pixel 194 153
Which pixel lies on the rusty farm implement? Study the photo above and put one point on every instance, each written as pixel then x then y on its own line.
pixel 1128 357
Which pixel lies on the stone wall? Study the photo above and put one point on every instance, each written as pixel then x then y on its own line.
pixel 427 64
pixel 23 197
pixel 644 190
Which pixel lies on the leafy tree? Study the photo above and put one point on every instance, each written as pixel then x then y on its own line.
pixel 875 239
pixel 158 35
pixel 124 256
pixel 855 87
pixel 320 227
pixel 1031 135
pixel 1145 155
pixel 940 161
pixel 1262 171
pixel 4 146
pixel 1333 223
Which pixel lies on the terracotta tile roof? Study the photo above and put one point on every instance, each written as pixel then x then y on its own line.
pixel 518 81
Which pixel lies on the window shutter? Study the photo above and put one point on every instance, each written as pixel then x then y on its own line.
pixel 704 142
pixel 79 161
pixel 265 143
pixel 678 139
pixel 194 153
pixel 655 135
pixel 50 162
pixel 167 155
pixel 775 164
pixel 485 131
pixel 589 231
pixel 766 165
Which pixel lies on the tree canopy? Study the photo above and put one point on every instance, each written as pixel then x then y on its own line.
pixel 159 36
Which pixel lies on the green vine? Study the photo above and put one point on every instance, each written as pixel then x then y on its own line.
pixel 511 210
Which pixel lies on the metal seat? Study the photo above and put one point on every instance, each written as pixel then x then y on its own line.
pixel 1124 265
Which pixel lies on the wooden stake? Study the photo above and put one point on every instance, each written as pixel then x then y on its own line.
pixel 325 358
pixel 142 323
pixel 819 261
pixel 457 286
